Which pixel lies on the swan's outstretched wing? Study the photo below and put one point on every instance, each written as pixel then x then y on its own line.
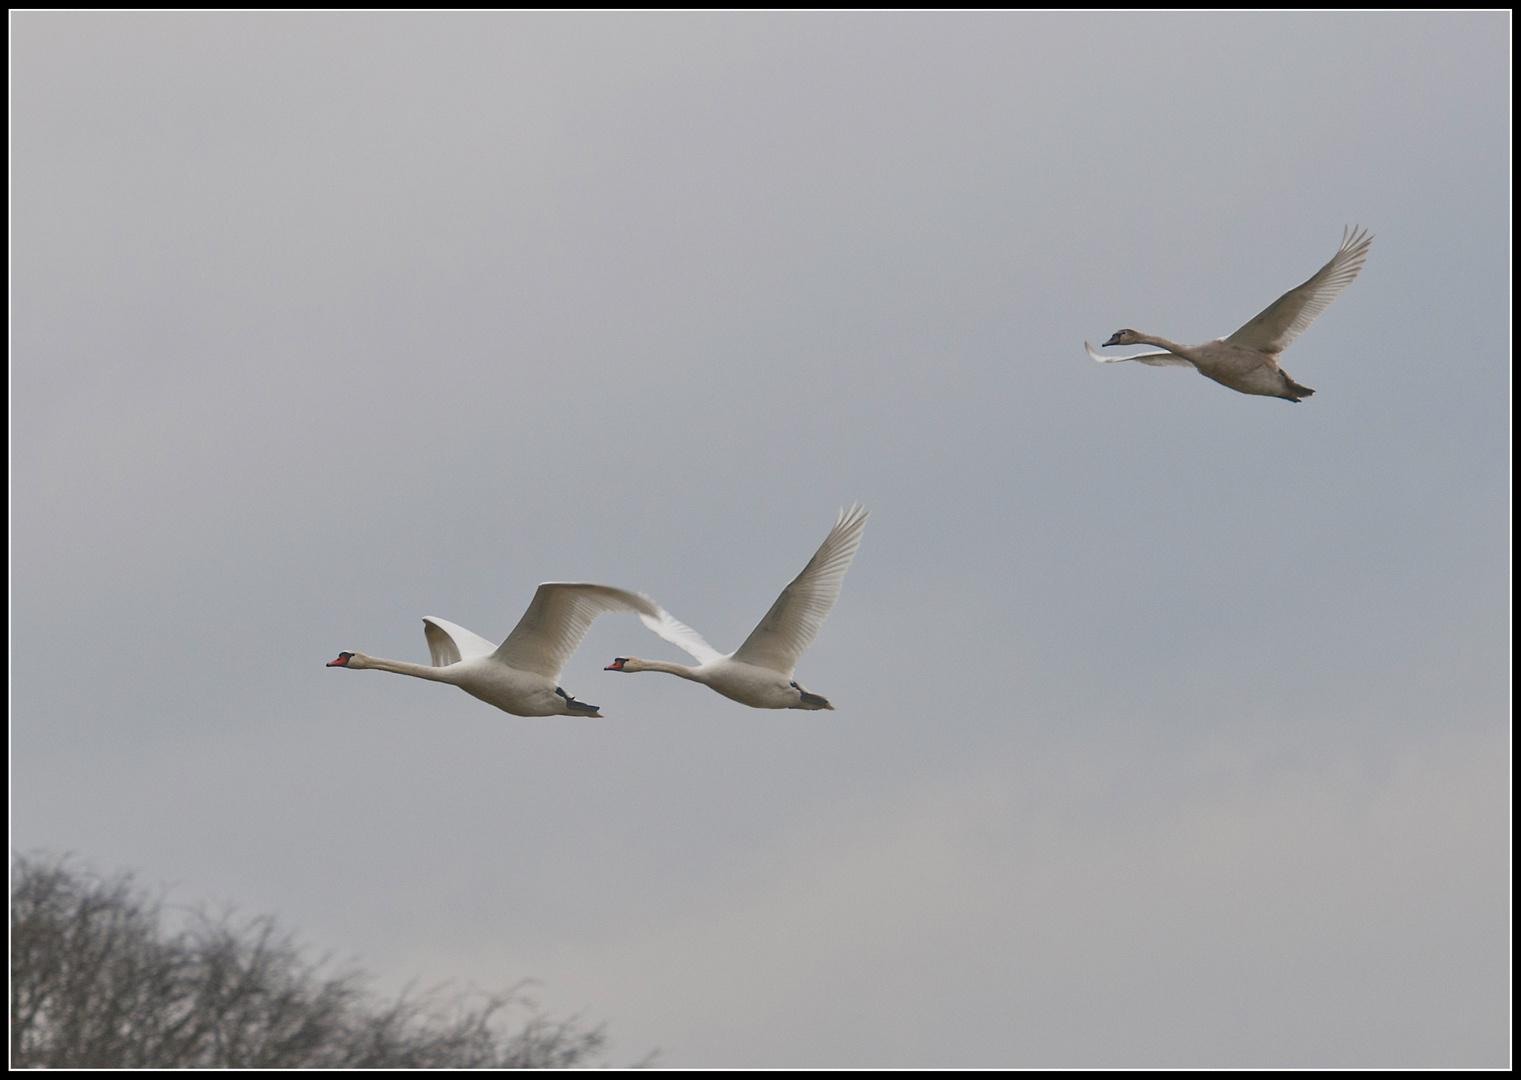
pixel 558 618
pixel 681 635
pixel 784 635
pixel 449 644
pixel 1155 359
pixel 1291 314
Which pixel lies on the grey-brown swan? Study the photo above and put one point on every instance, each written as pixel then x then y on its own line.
pixel 1248 360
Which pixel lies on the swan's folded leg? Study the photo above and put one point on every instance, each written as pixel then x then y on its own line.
pixel 1292 390
pixel 578 706
pixel 815 701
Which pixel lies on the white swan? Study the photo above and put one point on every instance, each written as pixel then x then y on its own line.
pixel 522 675
pixel 759 672
pixel 1248 360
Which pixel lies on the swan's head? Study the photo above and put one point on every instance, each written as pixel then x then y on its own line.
pixel 625 663
pixel 346 659
pixel 1125 337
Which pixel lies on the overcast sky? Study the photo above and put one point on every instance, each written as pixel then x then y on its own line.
pixel 1171 724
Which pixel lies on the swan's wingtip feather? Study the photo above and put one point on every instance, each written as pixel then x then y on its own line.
pixel 1356 237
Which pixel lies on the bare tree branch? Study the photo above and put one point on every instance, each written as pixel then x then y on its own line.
pixel 96 982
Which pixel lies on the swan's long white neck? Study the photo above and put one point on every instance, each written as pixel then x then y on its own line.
pixel 633 663
pixel 401 667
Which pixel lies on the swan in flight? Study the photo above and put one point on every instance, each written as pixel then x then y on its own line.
pixel 759 672
pixel 1248 360
pixel 522 675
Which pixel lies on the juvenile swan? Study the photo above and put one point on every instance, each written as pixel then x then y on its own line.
pixel 522 676
pixel 1248 360
pixel 759 672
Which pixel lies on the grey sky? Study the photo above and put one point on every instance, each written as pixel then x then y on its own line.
pixel 1172 724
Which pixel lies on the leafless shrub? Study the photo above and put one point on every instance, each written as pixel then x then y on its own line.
pixel 97 982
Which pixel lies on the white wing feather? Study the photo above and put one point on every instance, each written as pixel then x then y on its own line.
pixel 794 620
pixel 449 644
pixel 1290 315
pixel 1155 359
pixel 681 635
pixel 558 618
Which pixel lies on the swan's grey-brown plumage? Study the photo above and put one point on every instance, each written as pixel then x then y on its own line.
pixel 521 676
pixel 1248 360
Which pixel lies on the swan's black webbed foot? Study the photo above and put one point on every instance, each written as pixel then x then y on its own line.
pixel 572 703
pixel 814 700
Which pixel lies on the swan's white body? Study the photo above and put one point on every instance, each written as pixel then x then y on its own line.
pixel 759 672
pixel 1248 360
pixel 521 676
